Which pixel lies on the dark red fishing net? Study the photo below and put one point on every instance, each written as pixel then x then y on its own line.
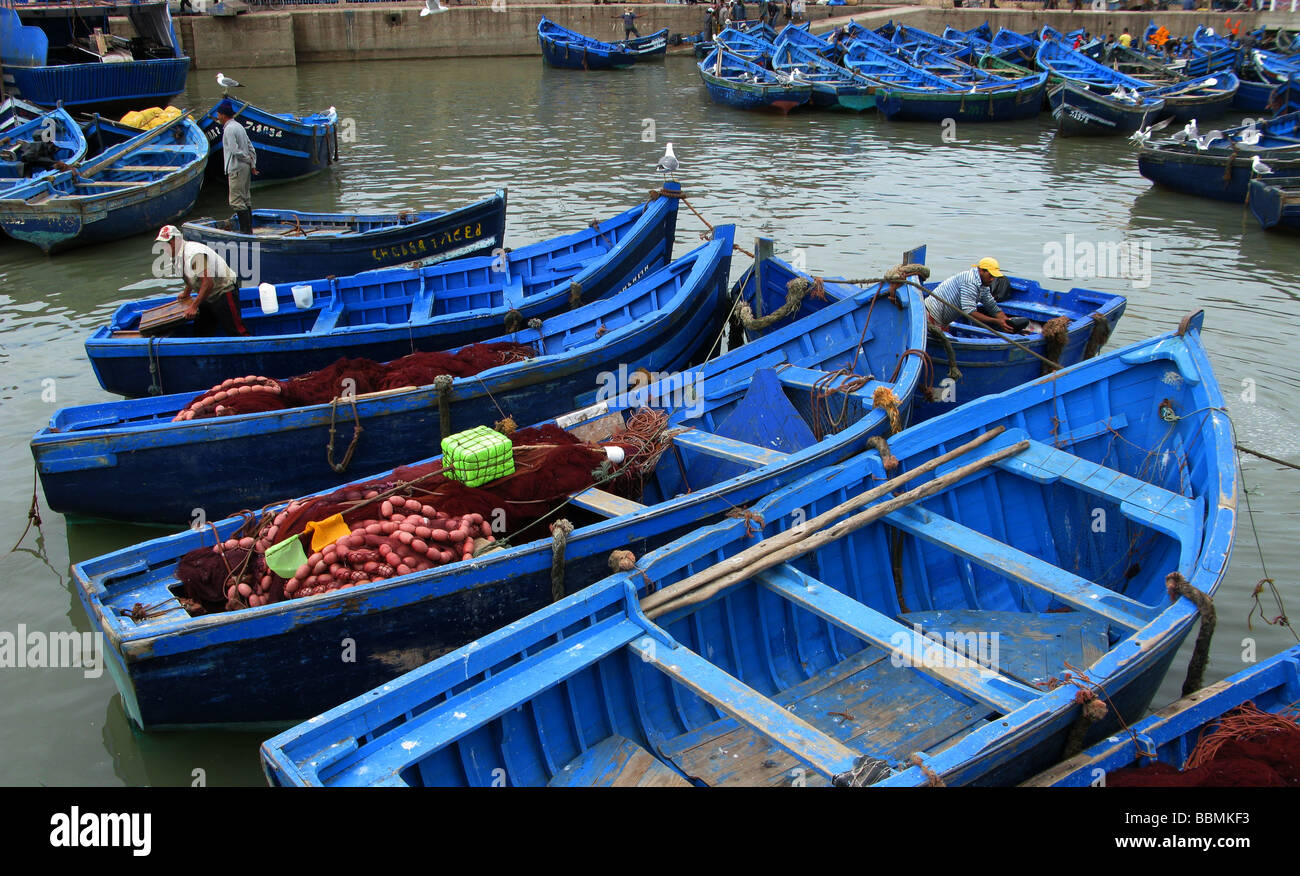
pixel 250 395
pixel 1249 749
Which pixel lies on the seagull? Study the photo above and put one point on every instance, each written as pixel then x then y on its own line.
pixel 1142 135
pixel 1250 136
pixel 668 164
pixel 1191 130
pixel 1203 143
pixel 432 7
pixel 1258 167
pixel 226 82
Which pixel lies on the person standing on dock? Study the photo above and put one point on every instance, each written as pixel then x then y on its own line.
pixel 629 24
pixel 211 282
pixel 969 294
pixel 710 18
pixel 240 164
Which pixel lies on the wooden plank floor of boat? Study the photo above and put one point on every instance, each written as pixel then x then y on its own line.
pixel 884 711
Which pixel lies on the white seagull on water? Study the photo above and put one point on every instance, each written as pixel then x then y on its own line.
pixel 668 164
pixel 226 82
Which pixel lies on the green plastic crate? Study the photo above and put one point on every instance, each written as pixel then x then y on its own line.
pixel 476 456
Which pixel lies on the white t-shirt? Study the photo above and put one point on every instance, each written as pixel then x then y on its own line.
pixel 197 260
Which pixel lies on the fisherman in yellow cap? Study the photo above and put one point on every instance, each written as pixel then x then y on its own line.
pixel 968 294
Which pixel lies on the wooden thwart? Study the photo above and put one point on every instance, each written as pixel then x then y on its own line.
pixel 795 542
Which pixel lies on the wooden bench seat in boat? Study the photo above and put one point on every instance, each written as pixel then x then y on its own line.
pixel 617 762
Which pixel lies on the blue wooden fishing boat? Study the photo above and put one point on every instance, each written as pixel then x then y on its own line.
pixel 571 50
pixel 913 40
pixel 132 188
pixel 651 47
pixel 295 246
pixel 385 314
pixel 1015 47
pixel 910 93
pixel 89 455
pixel 1275 201
pixel 763 414
pixel 1222 168
pixel 1090 99
pixel 31 145
pixel 733 81
pixel 987 364
pixel 800 36
pixel 1171 734
pixel 750 46
pixel 65 54
pixel 288 147
pixel 833 86
pixel 801 660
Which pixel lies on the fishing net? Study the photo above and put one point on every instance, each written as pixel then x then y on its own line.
pixel 414 519
pixel 254 394
pixel 1249 748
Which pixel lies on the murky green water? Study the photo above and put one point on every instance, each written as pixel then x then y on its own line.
pixel 854 192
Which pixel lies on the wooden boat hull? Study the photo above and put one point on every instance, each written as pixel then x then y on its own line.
pixel 799 671
pixel 1081 113
pixel 754 96
pixel 987 106
pixel 473 230
pixel 472 308
pixel 651 47
pixel 990 365
pixel 1170 734
pixel 1275 203
pixel 57 224
pixel 405 621
pixel 108 89
pixel 1254 96
pixel 1214 174
pixel 288 147
pixel 161 472
pixel 17 125
pixel 570 50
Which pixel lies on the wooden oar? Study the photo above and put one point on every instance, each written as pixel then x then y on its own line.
pixel 791 536
pixel 769 553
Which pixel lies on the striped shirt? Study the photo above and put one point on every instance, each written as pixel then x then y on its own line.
pixel 958 296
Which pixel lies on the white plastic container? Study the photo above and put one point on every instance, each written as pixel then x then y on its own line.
pixel 270 303
pixel 302 296
pixel 615 454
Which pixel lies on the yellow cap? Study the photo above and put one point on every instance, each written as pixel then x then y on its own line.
pixel 990 265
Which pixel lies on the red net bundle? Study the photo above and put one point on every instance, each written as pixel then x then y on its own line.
pixel 413 520
pixel 254 394
pixel 1249 748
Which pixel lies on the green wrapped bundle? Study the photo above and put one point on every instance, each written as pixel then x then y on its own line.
pixel 477 456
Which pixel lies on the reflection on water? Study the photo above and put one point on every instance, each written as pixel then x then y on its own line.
pixel 853 191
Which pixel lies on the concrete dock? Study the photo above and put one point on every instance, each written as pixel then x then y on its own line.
pixel 392 31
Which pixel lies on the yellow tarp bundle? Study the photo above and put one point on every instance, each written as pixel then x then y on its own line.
pixel 150 118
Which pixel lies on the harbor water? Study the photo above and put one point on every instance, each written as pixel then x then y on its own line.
pixel 844 194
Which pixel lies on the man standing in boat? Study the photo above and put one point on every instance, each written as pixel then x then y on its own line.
pixel 969 294
pixel 211 286
pixel 240 164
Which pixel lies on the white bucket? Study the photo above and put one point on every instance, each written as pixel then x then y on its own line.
pixel 615 454
pixel 270 304
pixel 302 296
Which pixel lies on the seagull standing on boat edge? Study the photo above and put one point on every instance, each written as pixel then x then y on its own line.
pixel 668 164
pixel 226 82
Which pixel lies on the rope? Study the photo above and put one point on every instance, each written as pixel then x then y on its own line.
pixel 932 779
pixel 560 530
pixel 887 458
pixel 621 561
pixel 514 320
pixel 1056 333
pixel 1177 586
pixel 1091 710
pixel 1100 335
pixel 866 771
pixel 884 398
pixel 155 368
pixel 33 515
pixel 442 386
pixel 935 332
pixel 1266 456
pixel 341 467
pixel 795 291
